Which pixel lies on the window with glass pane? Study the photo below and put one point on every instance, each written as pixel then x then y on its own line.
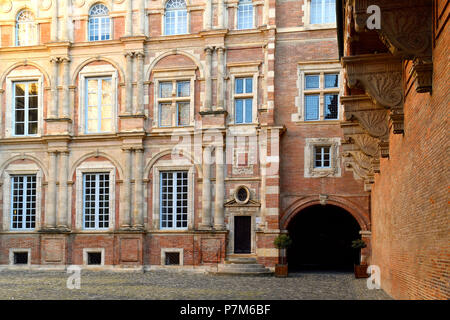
pixel 174 110
pixel 25 105
pixel 243 100
pixel 331 80
pixel 245 14
pixel 96 200
pixel 173 199
pixel 312 107
pixel 323 11
pixel 322 156
pixel 99 23
pixel 312 81
pixel 23 201
pixel 175 19
pixel 26 30
pixel 99 105
pixel 331 106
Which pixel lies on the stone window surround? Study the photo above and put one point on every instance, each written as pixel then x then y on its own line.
pixel 168 75
pixel 171 165
pixel 95 167
pixel 111 21
pixel 243 70
pixel 105 70
pixel 335 168
pixel 169 250
pixel 14 250
pixel 93 250
pixel 306 19
pixel 19 76
pixel 321 68
pixel 189 8
pixel 19 169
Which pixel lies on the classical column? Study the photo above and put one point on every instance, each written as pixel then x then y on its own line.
pixel 140 83
pixel 142 17
pixel 138 218
pixel 208 14
pixel 54 23
pixel 50 212
pixel 220 15
pixel 220 75
pixel 54 88
pixel 62 201
pixel 125 221
pixel 129 19
pixel 208 83
pixel 64 26
pixel 218 209
pixel 206 191
pixel 129 83
pixel 66 92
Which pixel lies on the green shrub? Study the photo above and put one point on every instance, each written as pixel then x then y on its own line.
pixel 283 241
pixel 358 244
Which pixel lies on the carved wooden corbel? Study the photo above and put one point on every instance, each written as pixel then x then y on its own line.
pixel 406 30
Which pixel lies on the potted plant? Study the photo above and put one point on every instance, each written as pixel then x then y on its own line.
pixel 282 242
pixel 360 266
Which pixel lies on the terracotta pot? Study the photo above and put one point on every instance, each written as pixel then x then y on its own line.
pixel 281 270
pixel 361 271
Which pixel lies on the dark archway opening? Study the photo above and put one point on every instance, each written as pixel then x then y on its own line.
pixel 322 238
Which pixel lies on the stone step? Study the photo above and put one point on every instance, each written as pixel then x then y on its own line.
pixel 250 267
pixel 240 260
pixel 241 266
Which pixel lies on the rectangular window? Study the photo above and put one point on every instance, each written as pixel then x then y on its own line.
pixel 245 15
pixel 174 103
pixel 99 105
pixel 96 200
pixel 331 107
pixel 23 202
pixel 312 107
pixel 323 11
pixel 243 100
pixel 25 106
pixel 322 157
pixel 175 22
pixel 321 96
pixel 174 199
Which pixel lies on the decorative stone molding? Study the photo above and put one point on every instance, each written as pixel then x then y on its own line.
pixel 380 75
pixel 312 172
pixel 406 30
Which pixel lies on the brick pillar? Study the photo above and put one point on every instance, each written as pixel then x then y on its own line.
pixel 62 200
pixel 50 211
pixel 138 218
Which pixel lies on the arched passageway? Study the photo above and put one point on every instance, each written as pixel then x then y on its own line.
pixel 322 238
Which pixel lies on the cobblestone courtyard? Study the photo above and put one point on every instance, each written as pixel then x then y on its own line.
pixel 164 285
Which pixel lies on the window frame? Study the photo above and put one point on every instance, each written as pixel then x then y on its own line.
pixel 174 101
pixel 26 109
pixel 306 19
pixel 323 6
pixel 237 16
pixel 176 11
pixel 24 202
pixel 174 199
pixel 88 29
pixel 33 23
pixel 94 167
pixel 310 170
pixel 244 96
pixel 322 156
pixel 99 105
pixel 96 201
pixel 98 71
pixel 320 68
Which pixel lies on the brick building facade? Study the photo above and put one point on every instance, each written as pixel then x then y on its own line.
pixel 151 133
pixel 396 106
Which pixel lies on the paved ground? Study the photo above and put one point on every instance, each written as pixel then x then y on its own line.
pixel 164 285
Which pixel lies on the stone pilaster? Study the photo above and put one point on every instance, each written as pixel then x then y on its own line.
pixel 66 91
pixel 64 25
pixel 128 82
pixel 62 219
pixel 142 17
pixel 140 83
pixel 220 189
pixel 208 80
pixel 54 22
pixel 220 78
pixel 54 88
pixel 125 203
pixel 220 15
pixel 129 18
pixel 50 212
pixel 138 218
pixel 208 14
pixel 206 190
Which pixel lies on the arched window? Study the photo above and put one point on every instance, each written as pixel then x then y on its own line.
pixel 26 29
pixel 175 17
pixel 99 23
pixel 245 14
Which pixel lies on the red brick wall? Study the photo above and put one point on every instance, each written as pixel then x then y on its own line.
pixel 409 200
